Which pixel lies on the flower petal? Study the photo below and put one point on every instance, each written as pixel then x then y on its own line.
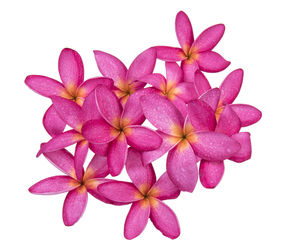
pixel 231 86
pixel 209 38
pixel 90 84
pixel 97 168
pixel 189 69
pixel 168 53
pixel 99 149
pixel 211 173
pixel 211 97
pixel 81 151
pixel 228 123
pixel 212 62
pixel 245 152
pixel 90 109
pixel 156 80
pixel 184 31
pixel 247 114
pixel 70 67
pixel 164 219
pixel 136 219
pixel 186 91
pixel 52 122
pixel 54 185
pixel 182 166
pixel 110 66
pixel 92 188
pixel 201 83
pixel 180 105
pixel 74 205
pixel 173 72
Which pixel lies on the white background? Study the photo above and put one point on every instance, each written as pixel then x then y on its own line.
pixel 256 206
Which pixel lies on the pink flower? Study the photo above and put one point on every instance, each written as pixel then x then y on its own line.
pixel 77 187
pixel 126 81
pixel 73 87
pixel 184 141
pixel 146 195
pixel 194 54
pixel 119 128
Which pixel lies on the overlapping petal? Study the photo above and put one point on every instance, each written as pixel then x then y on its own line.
pixel 211 173
pixel 52 122
pixel 168 53
pixel 228 123
pixel 247 114
pixel 201 83
pixel 243 138
pixel 212 62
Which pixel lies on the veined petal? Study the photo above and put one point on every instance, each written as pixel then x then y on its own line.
pixel 164 219
pixel 173 72
pixel 156 80
pixel 52 122
pixel 189 68
pixel 90 84
pixel 110 66
pixel 54 185
pixel 97 168
pixel 168 53
pixel 81 151
pixel 74 205
pixel 70 67
pixel 247 114
pixel 186 91
pixel 243 138
pixel 211 173
pixel 212 62
pixel 211 97
pixel 231 86
pixel 201 83
pixel 228 123
pixel 90 109
pixel 184 31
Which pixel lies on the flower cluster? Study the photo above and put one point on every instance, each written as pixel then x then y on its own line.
pixel 194 123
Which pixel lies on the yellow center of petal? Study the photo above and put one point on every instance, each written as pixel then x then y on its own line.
pixel 73 93
pixel 219 111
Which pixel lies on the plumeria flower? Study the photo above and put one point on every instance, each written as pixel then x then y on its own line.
pixel 72 87
pixel 183 142
pixel 77 187
pixel 119 128
pixel 146 195
pixel 173 87
pixel 229 90
pixel 194 54
pixel 126 81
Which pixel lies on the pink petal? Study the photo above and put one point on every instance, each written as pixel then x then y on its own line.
pixel 110 66
pixel 142 176
pixel 118 191
pixel 201 115
pixel 99 149
pixel 247 114
pixel 201 83
pixel 231 86
pixel 142 138
pixel 136 219
pixel 156 80
pixel 209 38
pixel 74 205
pixel 70 67
pixel 117 155
pixel 90 109
pixel 211 173
pixel 81 151
pixel 214 146
pixel 180 105
pixel 44 85
pixel 161 113
pixel 243 138
pixel 90 84
pixel 184 31
pixel 189 69
pixel 212 62
pixel 69 112
pixel 173 72
pixel 167 53
pixel 164 219
pixel 142 65
pixel 164 188
pixel 211 97
pixel 108 105
pixel 186 91
pixel 228 123
pixel 97 168
pixel 52 122
pixel 182 166
pixel 54 185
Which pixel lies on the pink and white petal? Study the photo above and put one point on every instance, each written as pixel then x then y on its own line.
pixel 164 219
pixel 164 188
pixel 209 38
pixel 211 97
pixel 90 84
pixel 117 154
pixel 142 138
pixel 245 152
pixel 90 109
pixel 186 91
pixel 110 66
pixel 81 151
pixel 201 116
pixel 69 112
pixel 211 173
pixel 231 86
pixel 142 65
pixel 167 53
pixel 137 219
pixel 98 132
pixel 99 149
pixel 74 205
pixel 161 113
pixel 228 123
pixel 212 62
pixel 189 69
pixel 247 114
pixel 181 106
pixel 108 105
pixel 142 176
pixel 184 31
pixel 120 192
pixel 70 67
pixel 213 146
pixel 54 185
pixel 97 168
pixel 156 80
pixel 174 73
pixel 201 83
pixel 60 141
pixel 44 86
pixel 52 122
